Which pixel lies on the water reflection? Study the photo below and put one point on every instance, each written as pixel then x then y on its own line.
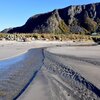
pixel 4 64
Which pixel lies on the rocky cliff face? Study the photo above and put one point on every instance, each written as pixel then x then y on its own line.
pixel 83 19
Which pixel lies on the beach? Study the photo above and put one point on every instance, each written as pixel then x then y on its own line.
pixel 9 49
pixel 49 71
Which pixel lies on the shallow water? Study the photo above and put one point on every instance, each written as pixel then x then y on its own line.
pixel 16 72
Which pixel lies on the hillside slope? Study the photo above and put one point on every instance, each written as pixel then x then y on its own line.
pixel 83 19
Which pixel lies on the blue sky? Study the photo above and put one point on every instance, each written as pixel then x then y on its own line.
pixel 16 12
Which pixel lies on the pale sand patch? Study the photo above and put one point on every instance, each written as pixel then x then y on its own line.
pixel 43 89
pixel 78 51
pixel 9 49
pixel 87 64
pixel 38 89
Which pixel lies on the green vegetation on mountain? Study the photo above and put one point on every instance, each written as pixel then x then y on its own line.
pixel 63 27
pixel 90 25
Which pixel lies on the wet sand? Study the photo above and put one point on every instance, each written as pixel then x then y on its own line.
pixel 9 49
pixel 55 73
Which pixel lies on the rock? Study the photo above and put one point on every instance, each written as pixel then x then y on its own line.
pixel 61 20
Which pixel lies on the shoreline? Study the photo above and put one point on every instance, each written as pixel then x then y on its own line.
pixel 87 84
pixel 19 50
pixel 34 60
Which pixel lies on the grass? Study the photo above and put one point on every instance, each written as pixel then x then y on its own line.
pixel 97 36
pixel 63 27
pixel 46 36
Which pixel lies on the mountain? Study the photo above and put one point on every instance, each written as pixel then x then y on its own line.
pixel 84 19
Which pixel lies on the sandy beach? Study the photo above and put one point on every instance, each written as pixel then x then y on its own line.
pixel 84 60
pixel 9 49
pixel 58 72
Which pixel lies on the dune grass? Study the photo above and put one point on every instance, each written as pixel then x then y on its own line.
pixel 46 36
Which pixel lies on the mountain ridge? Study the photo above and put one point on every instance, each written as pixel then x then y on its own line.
pixel 83 19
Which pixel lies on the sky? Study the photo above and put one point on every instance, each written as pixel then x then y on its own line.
pixel 16 12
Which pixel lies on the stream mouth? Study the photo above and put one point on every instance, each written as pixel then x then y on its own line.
pixel 17 73
pixel 6 63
